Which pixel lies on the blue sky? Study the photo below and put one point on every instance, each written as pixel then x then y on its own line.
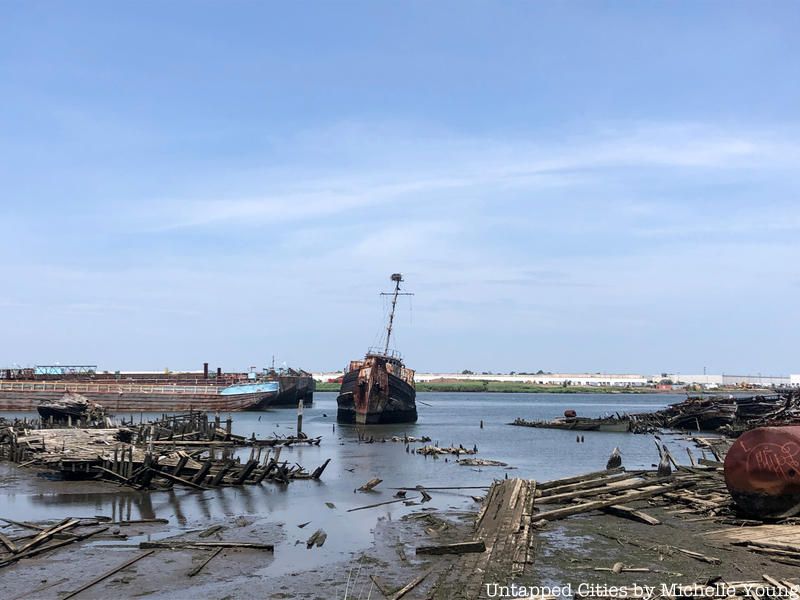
pixel 602 186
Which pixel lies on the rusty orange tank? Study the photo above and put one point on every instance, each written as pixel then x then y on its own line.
pixel 762 472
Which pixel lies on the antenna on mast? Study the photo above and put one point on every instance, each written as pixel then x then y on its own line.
pixel 397 278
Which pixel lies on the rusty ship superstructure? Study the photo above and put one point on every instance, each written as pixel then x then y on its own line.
pixel 379 388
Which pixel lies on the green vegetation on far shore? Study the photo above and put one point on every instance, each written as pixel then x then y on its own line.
pixel 505 387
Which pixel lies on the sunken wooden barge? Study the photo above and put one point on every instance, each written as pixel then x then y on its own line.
pixel 380 388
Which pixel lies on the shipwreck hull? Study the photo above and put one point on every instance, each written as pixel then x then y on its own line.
pixel 27 396
pixel 291 390
pixel 373 396
pixel 762 472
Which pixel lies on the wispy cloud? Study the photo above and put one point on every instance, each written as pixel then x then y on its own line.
pixel 405 168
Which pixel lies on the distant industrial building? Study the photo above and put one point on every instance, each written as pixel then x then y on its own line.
pixel 583 379
pixel 705 380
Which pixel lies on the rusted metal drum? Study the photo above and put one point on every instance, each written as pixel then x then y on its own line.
pixel 762 472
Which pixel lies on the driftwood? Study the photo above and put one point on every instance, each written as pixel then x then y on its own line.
pixel 437 451
pixel 426 497
pixel 48 533
pixel 211 531
pixel 457 548
pixel 376 504
pixel 560 513
pixel 481 462
pixel 546 485
pixel 589 483
pixel 180 544
pixel 24 525
pixel 202 565
pixel 53 546
pixel 450 487
pixel 626 512
pixel 8 543
pixel 177 479
pixel 633 485
pixel 317 539
pixel 370 485
pixel 408 587
pixel 137 521
pixel 106 575
pixel 696 555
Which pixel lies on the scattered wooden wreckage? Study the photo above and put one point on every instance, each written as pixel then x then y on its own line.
pixel 433 450
pixel 188 450
pixel 503 543
pixel 730 415
pixel 614 424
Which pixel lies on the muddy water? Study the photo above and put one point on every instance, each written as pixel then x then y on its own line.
pixel 447 418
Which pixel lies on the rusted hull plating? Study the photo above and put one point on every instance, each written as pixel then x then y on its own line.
pixel 293 388
pixel 372 395
pixel 26 396
pixel 762 471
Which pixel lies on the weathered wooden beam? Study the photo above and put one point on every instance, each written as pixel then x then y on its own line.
pixel 457 548
pixel 409 586
pixel 202 565
pixel 626 512
pixel 172 544
pixel 546 485
pixel 42 549
pixel 639 483
pixel 8 543
pixel 176 479
pixel 48 533
pixel 560 513
pixel 106 575
pixel 589 483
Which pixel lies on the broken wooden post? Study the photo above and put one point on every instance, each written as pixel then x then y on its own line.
pixel 300 417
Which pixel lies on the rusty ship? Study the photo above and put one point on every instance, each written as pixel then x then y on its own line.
pixel 379 388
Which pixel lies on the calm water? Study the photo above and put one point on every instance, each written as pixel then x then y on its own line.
pixel 450 419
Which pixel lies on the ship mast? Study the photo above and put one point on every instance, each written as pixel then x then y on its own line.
pixel 397 278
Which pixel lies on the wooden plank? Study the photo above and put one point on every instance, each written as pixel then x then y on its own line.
pixel 202 565
pixel 546 485
pixel 560 513
pixel 408 587
pixel 626 512
pixel 588 484
pixel 8 543
pixel 457 548
pixel 638 484
pixel 48 533
pixel 177 479
pixel 43 549
pixel 107 574
pixel 173 544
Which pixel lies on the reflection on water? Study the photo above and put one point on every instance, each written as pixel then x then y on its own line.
pixel 451 419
